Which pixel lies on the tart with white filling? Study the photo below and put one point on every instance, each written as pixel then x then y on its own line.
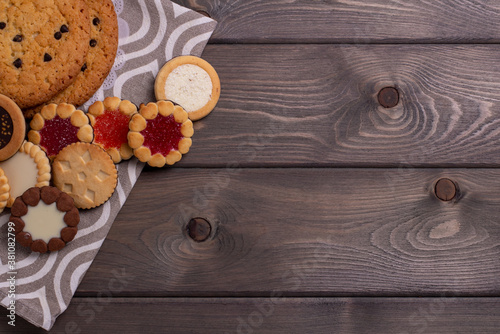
pixel 29 167
pixel 45 219
pixel 190 82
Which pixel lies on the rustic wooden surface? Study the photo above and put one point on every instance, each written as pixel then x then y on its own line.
pixel 447 315
pixel 324 208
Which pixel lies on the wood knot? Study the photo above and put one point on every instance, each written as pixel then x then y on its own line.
pixel 199 229
pixel 388 97
pixel 445 189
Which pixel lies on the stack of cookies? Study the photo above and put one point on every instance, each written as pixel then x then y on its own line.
pixel 54 56
pixel 57 51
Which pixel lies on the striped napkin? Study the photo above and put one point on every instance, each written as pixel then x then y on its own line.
pixel 151 32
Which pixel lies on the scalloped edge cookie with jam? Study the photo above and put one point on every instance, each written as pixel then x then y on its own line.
pixel 110 120
pixel 191 82
pixel 50 208
pixel 45 132
pixel 19 176
pixel 156 125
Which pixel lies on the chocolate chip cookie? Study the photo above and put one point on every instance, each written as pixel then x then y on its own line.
pixel 43 46
pixel 103 44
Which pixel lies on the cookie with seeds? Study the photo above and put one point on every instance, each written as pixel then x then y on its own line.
pixel 43 45
pixel 103 45
pixel 86 173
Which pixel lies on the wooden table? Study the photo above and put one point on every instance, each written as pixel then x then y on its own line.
pixel 318 195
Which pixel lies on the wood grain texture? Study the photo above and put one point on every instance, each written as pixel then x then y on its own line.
pixel 317 105
pixel 274 315
pixel 351 21
pixel 304 232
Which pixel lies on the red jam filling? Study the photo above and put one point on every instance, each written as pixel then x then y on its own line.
pixel 56 134
pixel 111 129
pixel 162 135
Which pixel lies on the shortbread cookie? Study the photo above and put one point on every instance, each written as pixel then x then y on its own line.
pixel 12 127
pixel 100 58
pixel 86 172
pixel 45 219
pixel 4 190
pixel 58 126
pixel 191 82
pixel 29 167
pixel 109 119
pixel 160 133
pixel 43 45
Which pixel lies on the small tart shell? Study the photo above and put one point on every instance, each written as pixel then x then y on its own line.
pixel 171 65
pixel 42 165
pixel 78 119
pixel 139 122
pixel 126 108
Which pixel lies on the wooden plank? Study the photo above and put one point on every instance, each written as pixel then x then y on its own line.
pixel 274 315
pixel 351 21
pixel 316 105
pixel 304 232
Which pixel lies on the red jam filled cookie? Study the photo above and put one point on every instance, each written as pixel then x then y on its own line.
pixel 160 133
pixel 57 126
pixel 110 119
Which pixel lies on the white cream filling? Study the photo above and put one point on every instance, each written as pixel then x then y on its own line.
pixel 190 86
pixel 22 173
pixel 44 221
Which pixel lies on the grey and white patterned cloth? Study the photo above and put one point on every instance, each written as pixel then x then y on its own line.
pixel 151 32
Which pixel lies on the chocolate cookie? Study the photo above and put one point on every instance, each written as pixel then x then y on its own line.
pixel 45 219
pixel 43 45
pixel 103 44
pixel 12 128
